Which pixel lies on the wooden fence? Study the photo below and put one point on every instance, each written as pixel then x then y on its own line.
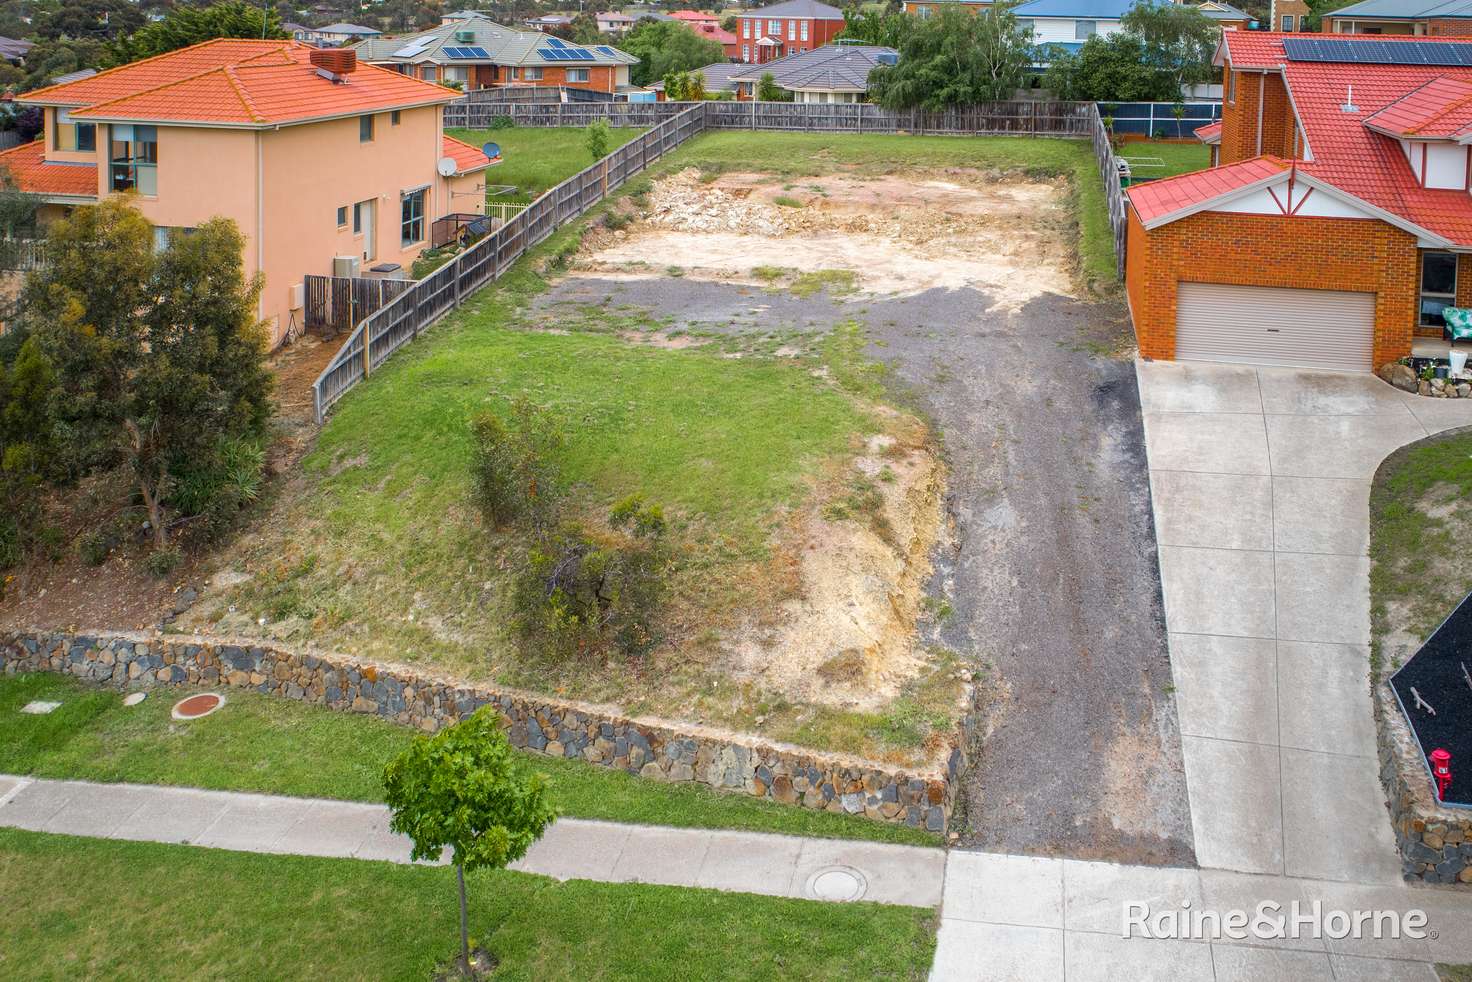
pixel 1113 192
pixel 1019 118
pixel 340 302
pixel 425 301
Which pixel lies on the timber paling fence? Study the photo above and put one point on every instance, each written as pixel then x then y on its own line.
pixel 1019 118
pixel 425 301
pixel 339 302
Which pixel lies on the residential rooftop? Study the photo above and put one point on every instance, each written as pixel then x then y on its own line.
pixel 796 8
pixel 480 40
pixel 1404 10
pixel 830 68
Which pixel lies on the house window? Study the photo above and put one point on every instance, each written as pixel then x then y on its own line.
pixel 531 74
pixel 746 28
pixel 360 216
pixel 577 75
pixel 804 30
pixel 411 223
pixel 134 159
pixel 365 129
pixel 1438 286
pixel 746 52
pixel 430 73
pixel 1085 29
pixel 923 11
pixel 164 234
pixel 1288 22
pixel 1231 85
pixel 393 118
pixel 342 217
pixel 792 30
pixel 457 73
pixel 774 27
pixel 73 136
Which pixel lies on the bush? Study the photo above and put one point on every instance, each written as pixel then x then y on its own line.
pixel 582 596
pixel 614 221
pixel 596 137
pixel 502 123
pixel 514 468
pixel 97 544
pixel 162 562
pixel 217 488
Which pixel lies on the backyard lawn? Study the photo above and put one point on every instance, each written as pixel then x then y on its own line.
pixel 93 908
pixel 276 746
pixel 534 158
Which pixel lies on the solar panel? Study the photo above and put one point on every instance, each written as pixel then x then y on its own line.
pixel 606 50
pixel 580 54
pixel 1373 52
pixel 471 52
pixel 556 42
pixel 547 55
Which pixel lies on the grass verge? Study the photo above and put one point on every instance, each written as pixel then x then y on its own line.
pixel 275 746
pixel 91 908
pixel 535 158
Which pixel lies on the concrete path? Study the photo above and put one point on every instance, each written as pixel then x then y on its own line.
pixel 1261 482
pixel 749 862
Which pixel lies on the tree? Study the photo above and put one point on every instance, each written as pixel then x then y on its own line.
pixel 184 26
pixel 462 789
pixel 50 58
pixel 97 19
pixel 684 86
pixel 767 89
pixel 1178 39
pixel 1112 68
pixel 27 386
pixel 956 59
pixel 664 46
pixel 595 136
pixel 159 354
pixel 876 27
pixel 1318 10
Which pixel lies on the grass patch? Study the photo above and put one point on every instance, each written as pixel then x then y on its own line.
pixel 536 158
pixel 275 746
pixel 1420 508
pixel 837 282
pixel 1178 158
pixel 154 911
pixel 787 201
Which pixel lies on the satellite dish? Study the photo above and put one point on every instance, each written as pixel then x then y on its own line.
pixel 447 167
pixel 491 150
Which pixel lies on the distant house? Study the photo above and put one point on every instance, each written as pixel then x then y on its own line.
pixel 298 32
pixel 548 22
pixel 1288 15
pixel 929 8
pixel 613 22
pixel 832 73
pixel 718 78
pixel 786 29
pixel 474 53
pixel 340 34
pixel 1432 18
pixel 695 17
pixel 1226 15
pixel 1069 23
pixel 14 51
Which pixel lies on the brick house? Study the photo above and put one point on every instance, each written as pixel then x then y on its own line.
pixel 1288 15
pixel 786 29
pixel 1419 18
pixel 1338 222
pixel 473 52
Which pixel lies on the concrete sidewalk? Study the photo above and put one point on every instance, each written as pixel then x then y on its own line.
pixel 748 862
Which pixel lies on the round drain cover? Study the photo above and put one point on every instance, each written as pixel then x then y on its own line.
pixel 196 706
pixel 134 698
pixel 838 883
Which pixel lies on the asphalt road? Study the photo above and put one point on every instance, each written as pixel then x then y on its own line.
pixel 1051 571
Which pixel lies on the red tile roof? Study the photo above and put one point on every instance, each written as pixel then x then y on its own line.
pixel 467 158
pixel 1156 199
pixel 230 81
pixel 1264 49
pixel 34 174
pixel 1210 133
pixel 1440 108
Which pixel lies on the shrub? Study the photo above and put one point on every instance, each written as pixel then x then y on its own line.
pixel 596 138
pixel 614 221
pixel 162 562
pixel 502 123
pixel 216 488
pixel 514 468
pixel 581 596
pixel 96 545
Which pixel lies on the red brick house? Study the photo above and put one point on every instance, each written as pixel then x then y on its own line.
pixel 786 29
pixel 1430 18
pixel 1338 222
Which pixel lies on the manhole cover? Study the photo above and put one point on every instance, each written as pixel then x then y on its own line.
pixel 196 706
pixel 837 883
pixel 134 698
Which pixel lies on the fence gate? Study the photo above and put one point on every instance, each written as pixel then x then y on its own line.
pixel 342 303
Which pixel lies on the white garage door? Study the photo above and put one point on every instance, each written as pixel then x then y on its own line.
pixel 1260 325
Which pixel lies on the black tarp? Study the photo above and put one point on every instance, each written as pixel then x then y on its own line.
pixel 1436 673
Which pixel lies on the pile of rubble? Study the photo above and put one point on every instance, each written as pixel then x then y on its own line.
pixel 681 202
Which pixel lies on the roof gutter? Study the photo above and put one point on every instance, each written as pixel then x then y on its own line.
pixel 269 125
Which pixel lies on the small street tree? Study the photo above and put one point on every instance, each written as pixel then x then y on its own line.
pixel 595 138
pixel 956 59
pixel 462 789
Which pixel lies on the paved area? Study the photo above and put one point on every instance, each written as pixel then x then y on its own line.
pixel 1052 570
pixel 1261 482
pixel 749 862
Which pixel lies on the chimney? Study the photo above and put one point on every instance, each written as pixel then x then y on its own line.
pixel 334 64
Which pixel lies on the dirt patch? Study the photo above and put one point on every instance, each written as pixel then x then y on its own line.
pixel 862 553
pixel 901 235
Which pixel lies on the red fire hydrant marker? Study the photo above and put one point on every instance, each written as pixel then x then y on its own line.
pixel 1441 771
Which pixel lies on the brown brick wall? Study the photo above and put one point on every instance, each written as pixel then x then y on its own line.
pixel 1271 250
pixel 1239 119
pixel 1450 28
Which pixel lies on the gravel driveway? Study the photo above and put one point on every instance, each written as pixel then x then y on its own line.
pixel 1051 573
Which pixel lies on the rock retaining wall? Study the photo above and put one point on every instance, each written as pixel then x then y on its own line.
pixel 1435 842
pixel 654 749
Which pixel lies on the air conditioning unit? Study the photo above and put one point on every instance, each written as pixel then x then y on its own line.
pixel 296 296
pixel 465 37
pixel 345 265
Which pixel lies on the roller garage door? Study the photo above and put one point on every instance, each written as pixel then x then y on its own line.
pixel 1261 325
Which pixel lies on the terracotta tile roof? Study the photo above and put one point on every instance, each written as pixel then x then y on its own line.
pixel 467 158
pixel 1156 199
pixel 1264 49
pixel 236 82
pixel 36 175
pixel 1440 108
pixel 1210 133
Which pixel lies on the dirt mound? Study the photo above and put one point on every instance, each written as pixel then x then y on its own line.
pixel 683 203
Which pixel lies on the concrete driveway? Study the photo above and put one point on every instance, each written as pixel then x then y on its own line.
pixel 1261 482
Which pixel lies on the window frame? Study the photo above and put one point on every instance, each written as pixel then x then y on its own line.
pixel 342 216
pixel 576 75
pixel 138 169
pixel 1078 28
pixel 803 31
pixel 1285 23
pixel 1446 299
pixel 366 128
pixel 411 225
pixel 531 74
pixel 395 117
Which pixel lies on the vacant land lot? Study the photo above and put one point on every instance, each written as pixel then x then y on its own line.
pixel 152 911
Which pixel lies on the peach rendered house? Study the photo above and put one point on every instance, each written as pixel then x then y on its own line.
pixel 312 155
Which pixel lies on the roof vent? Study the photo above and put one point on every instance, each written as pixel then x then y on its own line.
pixel 334 64
pixel 1349 106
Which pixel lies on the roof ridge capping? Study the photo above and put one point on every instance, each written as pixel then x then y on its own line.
pixel 268 43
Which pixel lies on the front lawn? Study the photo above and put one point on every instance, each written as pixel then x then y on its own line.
pixel 536 158
pixel 276 746
pixel 93 908
pixel 1175 158
pixel 1420 509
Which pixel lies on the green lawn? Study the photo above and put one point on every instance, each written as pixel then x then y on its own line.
pixel 1420 508
pixel 1177 158
pixel 276 746
pixel 91 908
pixel 537 158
